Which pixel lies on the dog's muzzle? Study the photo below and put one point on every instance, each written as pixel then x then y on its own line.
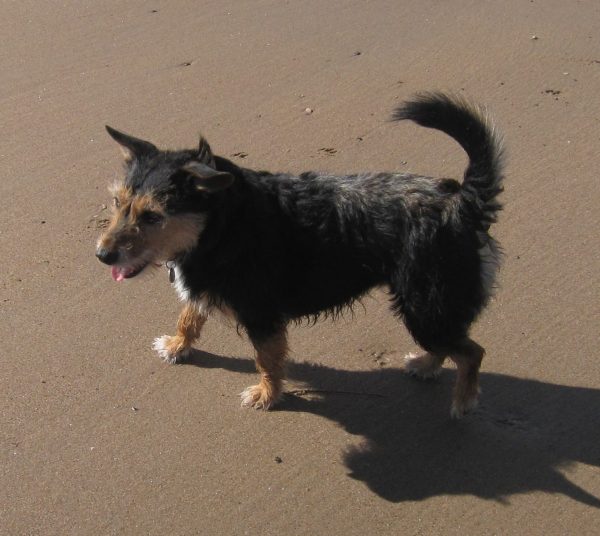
pixel 107 256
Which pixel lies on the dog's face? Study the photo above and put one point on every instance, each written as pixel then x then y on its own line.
pixel 160 208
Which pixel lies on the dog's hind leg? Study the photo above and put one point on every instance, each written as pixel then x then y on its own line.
pixel 270 356
pixel 445 335
pixel 425 366
pixel 189 325
pixel 467 355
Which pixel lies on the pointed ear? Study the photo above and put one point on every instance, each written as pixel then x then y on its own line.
pixel 205 154
pixel 207 178
pixel 131 147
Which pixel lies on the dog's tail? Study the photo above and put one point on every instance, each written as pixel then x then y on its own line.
pixel 470 126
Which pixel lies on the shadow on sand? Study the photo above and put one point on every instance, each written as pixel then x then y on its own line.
pixel 523 433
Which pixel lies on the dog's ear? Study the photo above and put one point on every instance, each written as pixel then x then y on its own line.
pixel 207 178
pixel 132 147
pixel 205 154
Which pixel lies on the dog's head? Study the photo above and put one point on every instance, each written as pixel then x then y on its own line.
pixel 160 207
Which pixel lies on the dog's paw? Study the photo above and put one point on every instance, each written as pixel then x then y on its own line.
pixel 170 349
pixel 461 407
pixel 424 367
pixel 258 397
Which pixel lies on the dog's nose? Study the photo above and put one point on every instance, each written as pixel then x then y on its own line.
pixel 107 256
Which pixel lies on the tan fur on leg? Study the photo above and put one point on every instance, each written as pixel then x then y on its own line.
pixel 189 325
pixel 270 356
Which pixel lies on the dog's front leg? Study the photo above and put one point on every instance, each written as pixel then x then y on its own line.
pixel 189 325
pixel 270 357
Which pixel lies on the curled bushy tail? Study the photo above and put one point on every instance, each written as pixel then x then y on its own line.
pixel 470 126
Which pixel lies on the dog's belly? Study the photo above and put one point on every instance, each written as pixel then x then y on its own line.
pixel 327 291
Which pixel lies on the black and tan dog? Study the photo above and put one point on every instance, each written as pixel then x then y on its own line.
pixel 273 248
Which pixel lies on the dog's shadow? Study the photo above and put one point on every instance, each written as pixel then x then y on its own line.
pixel 524 436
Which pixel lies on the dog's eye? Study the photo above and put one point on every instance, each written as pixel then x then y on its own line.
pixel 151 217
pixel 116 202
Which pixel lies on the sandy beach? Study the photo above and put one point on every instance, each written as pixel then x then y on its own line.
pixel 99 437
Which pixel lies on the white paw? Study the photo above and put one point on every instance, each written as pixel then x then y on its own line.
pixel 257 397
pixel 410 364
pixel 421 366
pixel 162 346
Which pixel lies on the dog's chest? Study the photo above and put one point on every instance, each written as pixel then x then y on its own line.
pixel 178 282
pixel 201 302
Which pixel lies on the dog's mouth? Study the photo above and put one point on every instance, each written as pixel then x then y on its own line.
pixel 119 273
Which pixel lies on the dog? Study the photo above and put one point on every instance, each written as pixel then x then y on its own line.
pixel 274 248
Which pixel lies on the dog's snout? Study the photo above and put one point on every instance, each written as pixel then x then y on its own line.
pixel 107 256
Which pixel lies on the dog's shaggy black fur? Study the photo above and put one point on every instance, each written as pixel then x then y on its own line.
pixel 275 248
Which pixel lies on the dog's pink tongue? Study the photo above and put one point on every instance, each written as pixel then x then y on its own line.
pixel 117 273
